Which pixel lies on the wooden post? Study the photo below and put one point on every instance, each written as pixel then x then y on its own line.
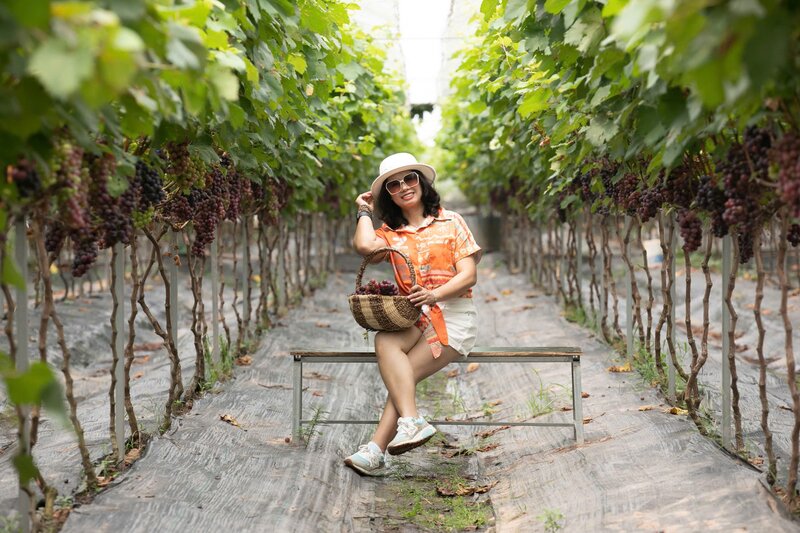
pixel 562 262
pixel 215 349
pixel 629 297
pixel 25 504
pixel 119 346
pixel 673 246
pixel 245 269
pixel 726 326
pixel 578 257
pixel 172 269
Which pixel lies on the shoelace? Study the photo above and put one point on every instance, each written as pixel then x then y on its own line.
pixel 374 459
pixel 408 427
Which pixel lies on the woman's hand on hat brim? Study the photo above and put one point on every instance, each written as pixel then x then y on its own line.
pixel 365 200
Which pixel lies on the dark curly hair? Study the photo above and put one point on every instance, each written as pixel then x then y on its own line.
pixel 392 215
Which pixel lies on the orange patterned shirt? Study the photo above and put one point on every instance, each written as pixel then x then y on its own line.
pixel 434 248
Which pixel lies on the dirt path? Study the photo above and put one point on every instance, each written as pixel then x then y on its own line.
pixel 638 470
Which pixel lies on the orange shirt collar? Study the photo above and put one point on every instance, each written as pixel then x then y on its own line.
pixel 427 222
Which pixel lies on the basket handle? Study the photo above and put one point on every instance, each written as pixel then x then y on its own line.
pixel 372 254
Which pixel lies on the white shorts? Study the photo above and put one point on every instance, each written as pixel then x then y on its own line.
pixel 461 318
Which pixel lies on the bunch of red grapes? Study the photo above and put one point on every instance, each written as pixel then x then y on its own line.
pixel 383 288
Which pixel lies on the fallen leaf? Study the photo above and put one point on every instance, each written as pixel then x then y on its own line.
pixel 647 407
pixel 256 278
pixel 83 309
pixel 489 432
pixel 566 408
pixel 767 312
pixel 472 367
pixel 620 368
pixel 138 375
pixel 495 403
pixel 677 411
pixel 275 386
pixel 584 395
pixel 316 393
pixel 506 292
pixel 525 308
pixel 453 373
pixel 488 447
pixel 232 421
pixel 742 347
pixel 148 346
pixel 587 419
pixel 243 360
pixel 461 490
pixel 141 359
pixel 531 295
pixel 132 455
pixel 317 375
pixel 103 481
pixel 491 299
pixel 757 461
pixel 322 325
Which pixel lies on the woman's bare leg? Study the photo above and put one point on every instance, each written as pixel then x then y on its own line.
pixel 423 365
pixel 396 370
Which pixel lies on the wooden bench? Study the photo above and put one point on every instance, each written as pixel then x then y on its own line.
pixel 478 355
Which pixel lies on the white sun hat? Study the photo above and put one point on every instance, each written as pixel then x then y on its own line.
pixel 397 163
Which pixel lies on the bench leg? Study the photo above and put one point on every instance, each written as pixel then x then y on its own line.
pixel 297 399
pixel 577 407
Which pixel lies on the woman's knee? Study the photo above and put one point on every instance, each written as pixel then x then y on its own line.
pixel 390 340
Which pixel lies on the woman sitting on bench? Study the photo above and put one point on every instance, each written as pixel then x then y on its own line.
pixel 444 255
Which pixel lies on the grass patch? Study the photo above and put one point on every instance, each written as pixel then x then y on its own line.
pixel 543 401
pixel 552 519
pixel 418 501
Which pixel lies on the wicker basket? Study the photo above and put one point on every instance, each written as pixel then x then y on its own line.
pixel 376 312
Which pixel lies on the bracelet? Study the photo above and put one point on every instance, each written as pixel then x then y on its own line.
pixel 363 213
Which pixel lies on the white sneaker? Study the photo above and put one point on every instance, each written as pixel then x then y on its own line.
pixel 368 460
pixel 411 432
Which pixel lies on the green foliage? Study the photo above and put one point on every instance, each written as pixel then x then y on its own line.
pixel 552 519
pixel 552 87
pixel 288 90
pixel 35 386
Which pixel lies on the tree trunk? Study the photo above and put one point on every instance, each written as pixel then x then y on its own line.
pixel 791 483
pixel 737 415
pixel 772 465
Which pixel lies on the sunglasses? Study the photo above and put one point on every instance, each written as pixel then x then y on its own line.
pixel 395 186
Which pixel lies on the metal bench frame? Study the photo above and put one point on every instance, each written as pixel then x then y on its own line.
pixel 479 355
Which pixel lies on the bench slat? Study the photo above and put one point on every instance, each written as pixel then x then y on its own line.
pixel 516 351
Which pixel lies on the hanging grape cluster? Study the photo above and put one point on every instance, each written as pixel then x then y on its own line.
pixel 691 228
pixel 111 217
pixel 26 178
pixel 745 170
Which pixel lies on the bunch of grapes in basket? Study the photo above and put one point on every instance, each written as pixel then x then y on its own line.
pixel 384 288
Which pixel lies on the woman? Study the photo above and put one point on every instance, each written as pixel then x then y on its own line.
pixel 444 255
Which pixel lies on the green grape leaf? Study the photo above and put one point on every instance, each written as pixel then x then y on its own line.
pixel 488 8
pixel 30 13
pixel 61 68
pixel 298 62
pixel 11 275
pixel 555 7
pixel 351 70
pixel 533 101
pixel 26 469
pixel 613 7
